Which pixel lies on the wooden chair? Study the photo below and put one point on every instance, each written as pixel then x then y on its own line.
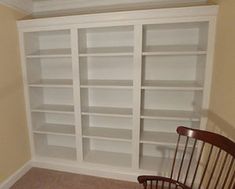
pixel 206 161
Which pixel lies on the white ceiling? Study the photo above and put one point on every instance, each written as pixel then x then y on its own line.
pixel 24 5
pixel 50 7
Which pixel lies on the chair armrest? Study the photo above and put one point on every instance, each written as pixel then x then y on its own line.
pixel 144 179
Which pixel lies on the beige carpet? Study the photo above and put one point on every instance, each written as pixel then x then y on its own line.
pixel 37 178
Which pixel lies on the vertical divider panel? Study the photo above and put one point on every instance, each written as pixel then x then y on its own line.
pixel 138 35
pixel 76 93
pixel 208 77
pixel 208 72
pixel 26 91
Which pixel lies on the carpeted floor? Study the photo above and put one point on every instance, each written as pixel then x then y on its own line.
pixel 37 178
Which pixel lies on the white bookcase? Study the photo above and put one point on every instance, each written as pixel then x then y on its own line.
pixel 106 77
pixel 50 89
pixel 107 91
pixel 173 74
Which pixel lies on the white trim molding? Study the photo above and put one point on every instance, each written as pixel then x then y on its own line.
pixel 92 170
pixel 125 17
pixel 6 184
pixel 50 7
pixel 25 6
pixel 63 5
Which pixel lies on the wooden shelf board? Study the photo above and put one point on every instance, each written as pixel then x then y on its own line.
pixel 122 84
pixel 108 134
pixel 163 138
pixel 54 108
pixel 151 137
pixel 57 152
pixel 173 50
pixel 52 83
pixel 171 85
pixel 161 165
pixel 56 129
pixel 50 53
pixel 170 115
pixel 107 111
pixel 107 51
pixel 108 158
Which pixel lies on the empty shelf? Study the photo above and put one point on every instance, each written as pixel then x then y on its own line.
pixel 170 115
pixel 152 137
pixel 50 53
pixel 107 51
pixel 52 83
pixel 161 165
pixel 52 108
pixel 107 133
pixel 174 50
pixel 125 84
pixel 162 138
pixel 57 152
pixel 56 129
pixel 108 158
pixel 107 111
pixel 171 85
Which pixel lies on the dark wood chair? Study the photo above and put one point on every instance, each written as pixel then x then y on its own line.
pixel 203 160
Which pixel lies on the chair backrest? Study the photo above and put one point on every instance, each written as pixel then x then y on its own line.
pixel 203 160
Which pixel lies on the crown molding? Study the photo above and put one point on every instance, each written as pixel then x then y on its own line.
pixel 123 17
pixel 25 6
pixel 56 5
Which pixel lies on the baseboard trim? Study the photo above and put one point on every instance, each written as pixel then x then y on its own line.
pixel 91 170
pixel 6 184
pixel 87 170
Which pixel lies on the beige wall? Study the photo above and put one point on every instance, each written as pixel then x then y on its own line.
pixel 223 89
pixel 14 143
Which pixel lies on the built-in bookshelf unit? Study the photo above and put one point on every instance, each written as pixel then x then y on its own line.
pixel 106 92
